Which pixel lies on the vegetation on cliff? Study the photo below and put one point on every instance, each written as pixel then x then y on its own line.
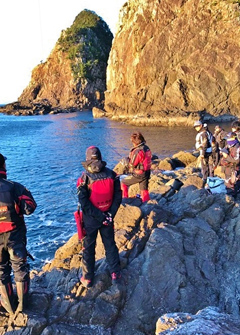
pixel 83 48
pixel 74 75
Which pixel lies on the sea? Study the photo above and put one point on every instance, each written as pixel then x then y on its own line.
pixel 44 153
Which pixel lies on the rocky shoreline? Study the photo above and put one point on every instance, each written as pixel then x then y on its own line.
pixel 180 262
pixel 162 118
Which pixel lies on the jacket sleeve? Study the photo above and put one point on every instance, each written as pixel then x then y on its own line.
pixel 24 200
pixel 117 197
pixel 83 197
pixel 235 158
pixel 204 143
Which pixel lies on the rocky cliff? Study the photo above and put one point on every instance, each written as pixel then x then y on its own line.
pixel 179 255
pixel 74 75
pixel 175 60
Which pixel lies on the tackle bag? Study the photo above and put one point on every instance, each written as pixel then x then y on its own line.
pixel 216 185
pixel 79 222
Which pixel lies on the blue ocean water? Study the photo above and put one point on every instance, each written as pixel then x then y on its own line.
pixel 44 153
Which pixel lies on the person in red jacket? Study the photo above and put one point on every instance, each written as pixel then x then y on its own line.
pixel 100 195
pixel 15 201
pixel 139 167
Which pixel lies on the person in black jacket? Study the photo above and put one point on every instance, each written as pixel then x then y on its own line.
pixel 100 195
pixel 15 201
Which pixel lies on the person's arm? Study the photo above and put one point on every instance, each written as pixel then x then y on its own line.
pixel 204 144
pixel 117 197
pixel 233 159
pixel 25 202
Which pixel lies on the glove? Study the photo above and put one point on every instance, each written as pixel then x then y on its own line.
pixel 108 219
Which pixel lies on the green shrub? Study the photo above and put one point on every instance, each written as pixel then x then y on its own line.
pixel 87 43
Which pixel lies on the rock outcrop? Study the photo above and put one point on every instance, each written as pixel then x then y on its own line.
pixel 179 255
pixel 173 61
pixel 74 75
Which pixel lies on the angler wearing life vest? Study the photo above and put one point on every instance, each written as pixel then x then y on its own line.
pixel 100 195
pixel 139 167
pixel 15 201
pixel 203 145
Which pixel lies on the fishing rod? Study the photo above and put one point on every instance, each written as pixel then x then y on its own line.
pixel 108 144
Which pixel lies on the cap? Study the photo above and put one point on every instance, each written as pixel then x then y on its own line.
pixel 93 154
pixel 2 160
pixel 197 124
pixel 205 125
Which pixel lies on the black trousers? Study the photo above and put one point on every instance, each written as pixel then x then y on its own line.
pixel 13 256
pixel 111 250
pixel 207 166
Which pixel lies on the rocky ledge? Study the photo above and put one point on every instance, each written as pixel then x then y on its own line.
pixel 180 263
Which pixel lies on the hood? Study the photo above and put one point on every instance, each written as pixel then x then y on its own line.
pixel 94 166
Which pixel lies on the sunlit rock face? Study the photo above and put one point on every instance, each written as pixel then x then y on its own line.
pixel 174 60
pixel 74 74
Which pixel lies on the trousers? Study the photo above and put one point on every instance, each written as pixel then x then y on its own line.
pixel 111 250
pixel 13 256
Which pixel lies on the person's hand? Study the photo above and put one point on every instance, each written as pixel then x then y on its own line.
pixel 108 219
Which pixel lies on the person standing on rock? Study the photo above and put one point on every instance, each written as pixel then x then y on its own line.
pixel 220 135
pixel 203 145
pixel 15 201
pixel 100 195
pixel 139 167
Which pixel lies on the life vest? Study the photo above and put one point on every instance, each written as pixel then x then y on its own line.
pixel 9 210
pixel 101 188
pixel 140 159
pixel 200 141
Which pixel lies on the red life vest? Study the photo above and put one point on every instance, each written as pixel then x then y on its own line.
pixel 101 188
pixel 140 159
pixel 102 193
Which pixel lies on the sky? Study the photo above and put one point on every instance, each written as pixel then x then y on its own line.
pixel 29 30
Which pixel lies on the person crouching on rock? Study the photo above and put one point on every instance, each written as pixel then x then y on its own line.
pixel 230 163
pixel 204 147
pixel 139 167
pixel 15 201
pixel 100 195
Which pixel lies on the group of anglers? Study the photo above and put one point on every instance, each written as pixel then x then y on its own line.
pixel 100 194
pixel 220 149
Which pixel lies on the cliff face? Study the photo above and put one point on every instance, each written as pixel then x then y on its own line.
pixel 173 59
pixel 74 74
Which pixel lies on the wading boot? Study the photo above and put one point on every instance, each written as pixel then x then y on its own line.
pixel 6 292
pixel 22 293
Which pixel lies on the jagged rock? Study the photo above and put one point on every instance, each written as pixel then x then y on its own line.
pixel 178 254
pixel 97 112
pixel 210 320
pixel 185 158
pixel 176 61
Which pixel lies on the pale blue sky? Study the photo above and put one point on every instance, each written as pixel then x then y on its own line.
pixel 29 30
